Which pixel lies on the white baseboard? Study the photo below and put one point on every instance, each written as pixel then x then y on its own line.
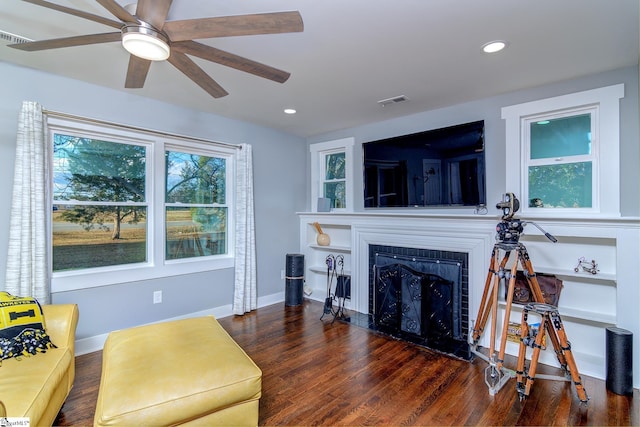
pixel 96 342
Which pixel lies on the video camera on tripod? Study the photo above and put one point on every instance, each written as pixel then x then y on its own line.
pixel 508 235
pixel 510 229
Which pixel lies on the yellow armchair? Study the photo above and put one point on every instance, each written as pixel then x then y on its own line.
pixel 37 386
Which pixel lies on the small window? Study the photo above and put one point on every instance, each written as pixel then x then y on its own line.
pixel 560 160
pixel 332 173
pixel 334 186
pixel 563 153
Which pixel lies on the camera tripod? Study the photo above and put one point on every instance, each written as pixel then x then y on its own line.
pixel 496 375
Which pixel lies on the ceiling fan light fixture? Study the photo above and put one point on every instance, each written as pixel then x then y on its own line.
pixel 145 43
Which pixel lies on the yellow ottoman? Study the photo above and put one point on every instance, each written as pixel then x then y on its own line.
pixel 180 372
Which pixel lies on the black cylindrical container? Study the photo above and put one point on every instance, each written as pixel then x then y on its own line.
pixel 294 279
pixel 619 351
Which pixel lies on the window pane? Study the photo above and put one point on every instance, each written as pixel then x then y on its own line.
pixel 335 192
pixel 195 232
pixel 195 179
pixel 90 169
pixel 335 164
pixel 566 136
pixel 98 236
pixel 561 186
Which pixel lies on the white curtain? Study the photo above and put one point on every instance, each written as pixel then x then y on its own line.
pixel 245 296
pixel 27 261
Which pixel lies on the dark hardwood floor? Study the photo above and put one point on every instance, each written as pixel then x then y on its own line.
pixel 318 373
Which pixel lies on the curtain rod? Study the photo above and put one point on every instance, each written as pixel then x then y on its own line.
pixel 59 114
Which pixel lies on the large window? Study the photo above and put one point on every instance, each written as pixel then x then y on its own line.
pixel 563 153
pixel 131 205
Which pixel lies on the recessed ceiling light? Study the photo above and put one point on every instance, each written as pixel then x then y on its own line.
pixel 289 111
pixel 494 46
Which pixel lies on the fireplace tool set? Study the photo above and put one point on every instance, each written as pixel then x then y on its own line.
pixel 335 273
pixel 496 375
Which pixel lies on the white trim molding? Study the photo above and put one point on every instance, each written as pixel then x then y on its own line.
pixel 607 101
pixel 317 155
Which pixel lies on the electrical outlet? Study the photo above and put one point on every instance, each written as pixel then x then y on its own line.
pixel 157 297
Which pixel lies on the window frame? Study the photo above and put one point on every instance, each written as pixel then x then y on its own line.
pixel 319 153
pixel 527 161
pixel 192 149
pixel 156 265
pixel 606 186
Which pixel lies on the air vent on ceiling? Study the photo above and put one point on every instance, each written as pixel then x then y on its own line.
pixel 12 38
pixel 394 100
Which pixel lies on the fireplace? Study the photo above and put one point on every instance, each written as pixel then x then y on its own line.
pixel 422 296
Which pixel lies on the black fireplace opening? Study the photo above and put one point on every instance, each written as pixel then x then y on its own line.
pixel 421 296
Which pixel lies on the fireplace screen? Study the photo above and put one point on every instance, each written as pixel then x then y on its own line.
pixel 420 299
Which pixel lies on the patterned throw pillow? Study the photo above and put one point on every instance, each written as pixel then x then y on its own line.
pixel 22 327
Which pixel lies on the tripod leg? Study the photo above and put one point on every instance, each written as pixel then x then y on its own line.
pixel 537 346
pixel 485 303
pixel 507 313
pixel 555 340
pixel 522 353
pixel 566 349
pixel 494 316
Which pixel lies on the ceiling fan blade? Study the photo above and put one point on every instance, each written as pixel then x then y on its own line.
pixel 195 73
pixel 137 72
pixel 75 12
pixel 230 60
pixel 153 12
pixel 227 26
pixel 118 11
pixel 68 42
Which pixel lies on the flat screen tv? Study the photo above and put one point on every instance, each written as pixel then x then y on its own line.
pixel 435 168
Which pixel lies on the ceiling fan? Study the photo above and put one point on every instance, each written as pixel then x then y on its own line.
pixel 147 35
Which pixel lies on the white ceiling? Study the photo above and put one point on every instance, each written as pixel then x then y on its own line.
pixel 354 53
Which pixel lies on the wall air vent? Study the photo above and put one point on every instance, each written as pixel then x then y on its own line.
pixel 9 38
pixel 393 100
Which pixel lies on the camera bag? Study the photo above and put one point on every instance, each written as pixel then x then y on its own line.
pixel 550 286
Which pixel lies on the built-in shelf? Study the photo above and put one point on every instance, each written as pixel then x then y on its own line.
pixel 571 274
pixel 573 313
pixel 323 270
pixel 331 248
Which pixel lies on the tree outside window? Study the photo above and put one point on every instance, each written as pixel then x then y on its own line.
pixel 334 185
pixel 99 203
pixel 196 211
